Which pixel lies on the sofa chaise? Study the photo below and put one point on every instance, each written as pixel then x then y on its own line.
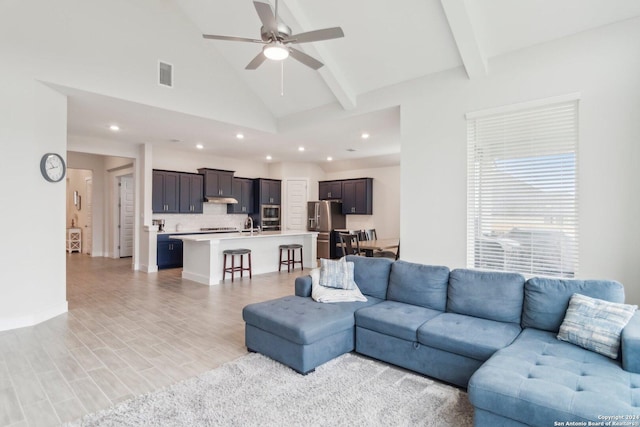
pixel 493 333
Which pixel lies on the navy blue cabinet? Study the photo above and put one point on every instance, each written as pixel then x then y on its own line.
pixel 217 183
pixel 357 196
pixel 268 191
pixel 330 190
pixel 242 190
pixel 191 193
pixel 169 254
pixel 165 192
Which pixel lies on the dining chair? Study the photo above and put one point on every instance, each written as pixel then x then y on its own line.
pixel 371 234
pixel 350 244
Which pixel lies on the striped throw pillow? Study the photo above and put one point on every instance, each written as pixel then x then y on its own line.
pixel 595 324
pixel 336 274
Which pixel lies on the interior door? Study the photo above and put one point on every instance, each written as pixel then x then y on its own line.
pixel 87 245
pixel 296 204
pixel 126 216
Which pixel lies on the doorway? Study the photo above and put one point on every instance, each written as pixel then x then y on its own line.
pixel 79 205
pixel 126 216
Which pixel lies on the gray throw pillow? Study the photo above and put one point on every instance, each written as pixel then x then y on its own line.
pixel 595 324
pixel 336 274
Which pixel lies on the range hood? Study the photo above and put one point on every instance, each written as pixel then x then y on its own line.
pixel 221 200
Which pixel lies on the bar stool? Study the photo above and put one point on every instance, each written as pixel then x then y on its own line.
pixel 290 262
pixel 233 268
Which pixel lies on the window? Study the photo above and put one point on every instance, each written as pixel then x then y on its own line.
pixel 522 202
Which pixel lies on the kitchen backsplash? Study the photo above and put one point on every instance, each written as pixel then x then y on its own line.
pixel 214 215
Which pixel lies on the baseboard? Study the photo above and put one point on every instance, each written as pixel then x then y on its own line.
pixel 33 319
pixel 147 268
pixel 205 280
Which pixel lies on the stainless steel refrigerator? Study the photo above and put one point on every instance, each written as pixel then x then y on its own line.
pixel 324 217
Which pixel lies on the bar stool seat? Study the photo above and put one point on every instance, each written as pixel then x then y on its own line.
pixel 233 268
pixel 290 262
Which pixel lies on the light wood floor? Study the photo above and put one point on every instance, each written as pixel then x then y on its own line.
pixel 126 333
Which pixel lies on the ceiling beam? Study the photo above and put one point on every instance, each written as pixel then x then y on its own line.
pixel 330 73
pixel 473 59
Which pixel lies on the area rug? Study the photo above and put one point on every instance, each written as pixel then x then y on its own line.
pixel 253 390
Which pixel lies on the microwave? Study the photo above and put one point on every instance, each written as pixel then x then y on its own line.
pixel 270 212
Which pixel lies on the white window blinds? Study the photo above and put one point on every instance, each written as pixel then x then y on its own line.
pixel 523 190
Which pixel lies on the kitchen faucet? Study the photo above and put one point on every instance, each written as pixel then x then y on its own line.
pixel 250 221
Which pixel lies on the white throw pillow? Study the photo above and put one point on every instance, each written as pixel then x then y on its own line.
pixel 595 324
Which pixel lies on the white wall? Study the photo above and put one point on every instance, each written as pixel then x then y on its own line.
pixel 32 270
pixel 188 161
pixel 386 200
pixel 603 65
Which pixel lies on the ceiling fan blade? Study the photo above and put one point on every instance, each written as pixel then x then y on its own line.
pixel 232 39
pixel 256 62
pixel 267 17
pixel 307 60
pixel 317 35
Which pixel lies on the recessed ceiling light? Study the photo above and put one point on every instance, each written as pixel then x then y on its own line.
pixel 365 135
pixel 199 146
pixel 329 159
pixel 301 148
pixel 240 135
pixel 114 128
pixel 269 157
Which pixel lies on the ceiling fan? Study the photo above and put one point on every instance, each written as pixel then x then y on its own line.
pixel 277 39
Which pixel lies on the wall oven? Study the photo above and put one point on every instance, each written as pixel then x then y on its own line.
pixel 270 212
pixel 270 217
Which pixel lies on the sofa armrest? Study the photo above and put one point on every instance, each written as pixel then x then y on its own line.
pixel 630 343
pixel 303 286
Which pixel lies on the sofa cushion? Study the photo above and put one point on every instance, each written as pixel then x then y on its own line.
pixel 546 300
pixel 371 274
pixel 466 335
pixel 301 319
pixel 394 318
pixel 539 380
pixel 418 284
pixel 488 295
pixel 595 324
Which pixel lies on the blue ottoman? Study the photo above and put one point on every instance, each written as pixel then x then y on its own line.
pixel 299 332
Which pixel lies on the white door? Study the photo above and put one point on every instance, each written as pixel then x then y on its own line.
pixel 126 216
pixel 87 245
pixel 296 204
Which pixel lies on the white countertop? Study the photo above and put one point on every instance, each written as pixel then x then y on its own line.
pixel 234 236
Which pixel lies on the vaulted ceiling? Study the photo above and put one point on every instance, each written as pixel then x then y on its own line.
pixel 385 43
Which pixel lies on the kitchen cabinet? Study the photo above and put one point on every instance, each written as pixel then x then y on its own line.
pixel 330 190
pixel 191 193
pixel 169 253
pixel 357 196
pixel 165 192
pixel 217 183
pixel 269 191
pixel 242 190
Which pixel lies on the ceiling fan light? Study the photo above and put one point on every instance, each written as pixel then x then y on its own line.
pixel 276 51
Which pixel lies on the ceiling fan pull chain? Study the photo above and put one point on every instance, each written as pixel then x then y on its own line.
pixel 282 78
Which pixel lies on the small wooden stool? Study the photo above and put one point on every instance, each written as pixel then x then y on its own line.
pixel 290 262
pixel 233 268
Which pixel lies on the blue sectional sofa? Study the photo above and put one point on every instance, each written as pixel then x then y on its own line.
pixel 491 332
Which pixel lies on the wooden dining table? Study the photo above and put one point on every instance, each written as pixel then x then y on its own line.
pixel 370 246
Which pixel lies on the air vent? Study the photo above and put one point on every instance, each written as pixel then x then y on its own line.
pixel 165 74
pixel 351 150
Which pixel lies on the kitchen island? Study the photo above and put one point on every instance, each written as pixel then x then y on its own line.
pixel 202 253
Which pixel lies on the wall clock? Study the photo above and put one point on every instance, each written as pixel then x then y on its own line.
pixel 52 167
